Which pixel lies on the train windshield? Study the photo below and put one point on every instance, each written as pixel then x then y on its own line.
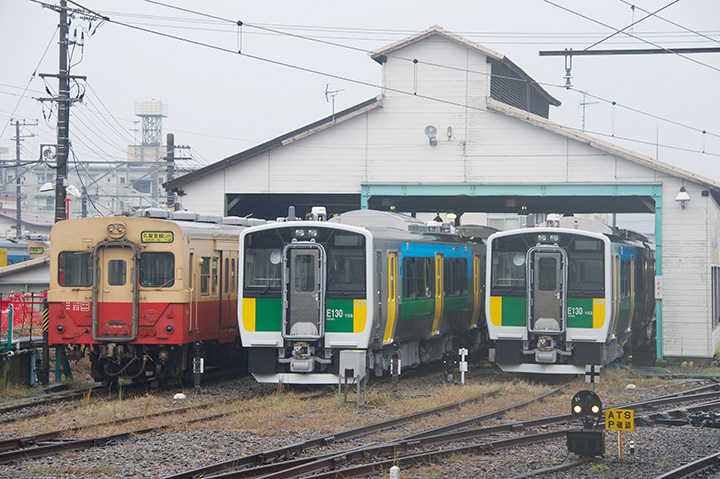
pixel 74 269
pixel 345 251
pixel 586 273
pixel 585 262
pixel 157 270
pixel 508 263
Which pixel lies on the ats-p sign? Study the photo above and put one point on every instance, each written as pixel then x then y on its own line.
pixel 619 420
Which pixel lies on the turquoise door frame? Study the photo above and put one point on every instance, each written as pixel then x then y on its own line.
pixel 652 190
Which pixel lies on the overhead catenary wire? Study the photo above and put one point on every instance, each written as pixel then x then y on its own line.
pixel 378 86
pixel 631 35
pixel 672 23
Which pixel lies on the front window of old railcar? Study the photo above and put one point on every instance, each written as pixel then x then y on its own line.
pixel 346 263
pixel 157 269
pixel 74 268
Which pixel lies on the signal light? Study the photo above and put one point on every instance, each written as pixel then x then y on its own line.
pixel 588 441
pixel 586 404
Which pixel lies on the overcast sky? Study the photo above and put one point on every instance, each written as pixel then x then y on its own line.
pixel 220 103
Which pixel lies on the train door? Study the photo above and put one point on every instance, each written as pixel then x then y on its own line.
pixel 228 290
pixel 304 291
pixel 477 291
pixel 389 335
pixel 439 293
pixel 547 289
pixel 115 292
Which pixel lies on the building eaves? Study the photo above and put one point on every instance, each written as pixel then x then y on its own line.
pixel 278 142
pixel 27 218
pixel 24 265
pixel 605 146
pixel 381 55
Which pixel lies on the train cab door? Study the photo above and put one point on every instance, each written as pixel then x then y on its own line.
pixel 547 290
pixel 115 292
pixel 304 291
pixel 228 290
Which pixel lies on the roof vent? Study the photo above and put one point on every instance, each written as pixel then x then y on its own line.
pixel 234 220
pixel 158 213
pixel 184 216
pixel 209 218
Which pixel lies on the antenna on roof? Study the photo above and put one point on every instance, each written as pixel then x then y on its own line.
pixel 331 93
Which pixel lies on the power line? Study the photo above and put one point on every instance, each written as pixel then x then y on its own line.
pixel 360 82
pixel 631 35
pixel 672 23
pixel 632 24
pixel 32 77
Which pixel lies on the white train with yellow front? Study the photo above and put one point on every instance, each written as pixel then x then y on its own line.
pixel 374 282
pixel 565 296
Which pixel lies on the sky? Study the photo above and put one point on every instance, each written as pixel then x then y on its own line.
pixel 185 53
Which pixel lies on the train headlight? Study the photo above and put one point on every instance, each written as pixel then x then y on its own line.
pixel 60 328
pixel 169 328
pixel 299 233
pixel 313 233
pixel 116 230
pixel 554 238
pixel 542 238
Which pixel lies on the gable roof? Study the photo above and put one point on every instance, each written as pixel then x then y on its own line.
pixel 282 140
pixel 381 55
pixel 605 146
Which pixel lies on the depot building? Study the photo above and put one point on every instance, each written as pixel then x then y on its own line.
pixel 464 129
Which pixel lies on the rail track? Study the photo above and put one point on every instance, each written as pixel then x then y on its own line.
pixel 708 466
pixel 417 448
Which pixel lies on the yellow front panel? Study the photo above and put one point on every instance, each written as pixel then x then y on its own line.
pixel 496 310
pixel 359 315
pixel 598 312
pixel 248 314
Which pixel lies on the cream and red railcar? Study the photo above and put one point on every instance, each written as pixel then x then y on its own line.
pixel 563 297
pixel 145 295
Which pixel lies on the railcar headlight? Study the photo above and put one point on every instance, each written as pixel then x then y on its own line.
pixel 542 238
pixel 313 233
pixel 60 328
pixel 299 233
pixel 555 238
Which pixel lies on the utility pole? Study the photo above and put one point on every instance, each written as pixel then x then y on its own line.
pixel 63 121
pixel 18 203
pixel 170 170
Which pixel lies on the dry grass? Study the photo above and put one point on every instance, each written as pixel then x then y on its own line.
pixel 297 414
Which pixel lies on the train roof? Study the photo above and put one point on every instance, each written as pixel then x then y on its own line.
pixel 398 226
pixel 190 224
pixel 377 219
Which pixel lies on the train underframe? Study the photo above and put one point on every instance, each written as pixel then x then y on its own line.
pixel 307 362
pixel 553 355
pixel 110 362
